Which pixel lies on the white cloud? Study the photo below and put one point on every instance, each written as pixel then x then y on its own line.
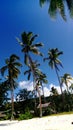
pixel 29 86
pixel 46 92
pixel 26 84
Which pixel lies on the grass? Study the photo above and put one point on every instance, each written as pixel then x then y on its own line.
pixel 59 114
pixel 62 113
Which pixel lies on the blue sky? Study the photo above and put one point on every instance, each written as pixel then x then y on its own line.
pixel 17 16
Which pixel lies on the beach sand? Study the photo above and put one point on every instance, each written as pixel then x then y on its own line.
pixel 62 122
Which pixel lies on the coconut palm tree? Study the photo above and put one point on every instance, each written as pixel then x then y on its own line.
pixel 58 6
pixel 54 62
pixel 55 6
pixel 66 79
pixel 39 77
pixel 29 47
pixel 12 66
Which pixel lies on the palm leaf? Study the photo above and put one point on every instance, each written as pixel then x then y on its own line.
pixel 26 72
pixel 29 35
pixel 46 59
pixel 37 45
pixel 14 57
pixel 35 51
pixel 21 43
pixel 17 64
pixel 3 69
pixel 33 38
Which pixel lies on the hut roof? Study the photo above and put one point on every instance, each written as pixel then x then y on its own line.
pixel 44 105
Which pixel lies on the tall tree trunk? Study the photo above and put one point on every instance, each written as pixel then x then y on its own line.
pixel 60 87
pixel 35 85
pixel 59 80
pixel 12 101
pixel 43 93
pixel 40 102
pixel 34 79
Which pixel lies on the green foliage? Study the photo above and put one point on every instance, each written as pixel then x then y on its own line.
pixel 26 115
pixel 3 93
pixel 58 7
pixel 8 116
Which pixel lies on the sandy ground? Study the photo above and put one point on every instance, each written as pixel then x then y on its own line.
pixel 62 122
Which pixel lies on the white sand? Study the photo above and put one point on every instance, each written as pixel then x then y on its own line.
pixel 62 122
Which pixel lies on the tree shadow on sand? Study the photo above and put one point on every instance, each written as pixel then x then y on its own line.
pixel 8 123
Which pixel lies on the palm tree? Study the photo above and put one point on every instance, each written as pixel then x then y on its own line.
pixel 54 62
pixel 11 66
pixel 27 48
pixel 66 79
pixel 55 6
pixel 37 80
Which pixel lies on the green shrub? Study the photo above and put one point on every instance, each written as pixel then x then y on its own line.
pixel 25 116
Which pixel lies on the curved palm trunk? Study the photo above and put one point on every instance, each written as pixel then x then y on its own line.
pixel 59 80
pixel 12 102
pixel 43 94
pixel 60 86
pixel 12 98
pixel 34 79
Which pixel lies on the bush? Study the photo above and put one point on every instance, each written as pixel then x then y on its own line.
pixel 25 116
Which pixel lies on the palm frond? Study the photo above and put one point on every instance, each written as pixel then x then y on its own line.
pixel 28 71
pixel 33 38
pixel 35 51
pixel 18 40
pixel 29 35
pixel 57 67
pixel 14 57
pixel 46 59
pixel 38 45
pixel 60 53
pixel 17 64
pixel 3 69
